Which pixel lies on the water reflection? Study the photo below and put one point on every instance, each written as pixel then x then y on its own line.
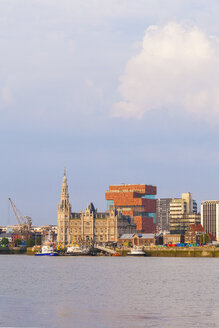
pixel 108 292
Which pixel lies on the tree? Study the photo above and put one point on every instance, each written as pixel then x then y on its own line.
pixel 4 241
pixel 30 242
pixel 38 241
pixel 204 238
pixel 17 242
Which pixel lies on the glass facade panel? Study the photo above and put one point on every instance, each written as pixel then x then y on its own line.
pixel 148 196
pixel 110 204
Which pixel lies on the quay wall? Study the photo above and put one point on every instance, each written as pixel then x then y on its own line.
pixel 13 250
pixel 33 250
pixel 153 251
pixel 183 252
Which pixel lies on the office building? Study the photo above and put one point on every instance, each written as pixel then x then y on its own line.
pixel 163 214
pixel 183 212
pixel 179 224
pixel 210 217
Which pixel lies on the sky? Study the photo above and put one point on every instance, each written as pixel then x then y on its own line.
pixel 117 91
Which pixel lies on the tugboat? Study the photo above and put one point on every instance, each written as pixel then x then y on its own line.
pixel 47 249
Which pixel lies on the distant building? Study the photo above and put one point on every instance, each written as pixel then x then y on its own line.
pixel 137 239
pixel 159 238
pixel 44 233
pixel 184 205
pixel 210 217
pixel 16 235
pixel 183 212
pixel 9 228
pixel 19 235
pixel 137 201
pixel 34 232
pixel 5 235
pixel 163 214
pixel 179 224
pixel 193 234
pixel 90 226
pixel 173 239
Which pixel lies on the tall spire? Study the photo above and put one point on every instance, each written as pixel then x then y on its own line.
pixel 64 194
pixel 64 213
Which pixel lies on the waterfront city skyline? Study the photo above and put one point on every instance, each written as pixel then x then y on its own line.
pixel 118 93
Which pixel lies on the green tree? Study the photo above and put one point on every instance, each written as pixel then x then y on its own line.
pixel 30 242
pixel 4 241
pixel 17 242
pixel 204 238
pixel 38 241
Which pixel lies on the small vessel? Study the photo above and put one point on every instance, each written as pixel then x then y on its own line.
pixel 136 252
pixel 76 250
pixel 47 249
pixel 116 254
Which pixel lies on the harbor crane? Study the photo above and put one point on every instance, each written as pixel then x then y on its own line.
pixel 24 223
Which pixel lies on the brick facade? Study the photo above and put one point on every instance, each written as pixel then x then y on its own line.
pixel 137 201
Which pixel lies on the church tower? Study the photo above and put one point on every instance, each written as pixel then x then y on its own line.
pixel 64 214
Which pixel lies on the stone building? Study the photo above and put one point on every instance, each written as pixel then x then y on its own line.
pixel 172 239
pixel 89 226
pixel 137 239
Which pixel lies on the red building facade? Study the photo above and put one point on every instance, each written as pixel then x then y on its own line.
pixel 135 200
pixel 21 236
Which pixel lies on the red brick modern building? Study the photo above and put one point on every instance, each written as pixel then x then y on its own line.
pixel 138 201
pixel 21 236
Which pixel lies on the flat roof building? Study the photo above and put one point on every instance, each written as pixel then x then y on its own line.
pixel 163 214
pixel 210 217
pixel 183 213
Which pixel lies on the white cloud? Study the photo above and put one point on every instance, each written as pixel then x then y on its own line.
pixel 176 69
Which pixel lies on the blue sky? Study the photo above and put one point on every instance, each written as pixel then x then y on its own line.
pixel 116 91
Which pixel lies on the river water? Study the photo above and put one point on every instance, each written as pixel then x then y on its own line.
pixel 108 292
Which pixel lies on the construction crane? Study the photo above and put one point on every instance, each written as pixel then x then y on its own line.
pixel 24 223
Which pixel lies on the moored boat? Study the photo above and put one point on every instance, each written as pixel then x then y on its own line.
pixel 47 249
pixel 136 252
pixel 76 250
pixel 116 254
